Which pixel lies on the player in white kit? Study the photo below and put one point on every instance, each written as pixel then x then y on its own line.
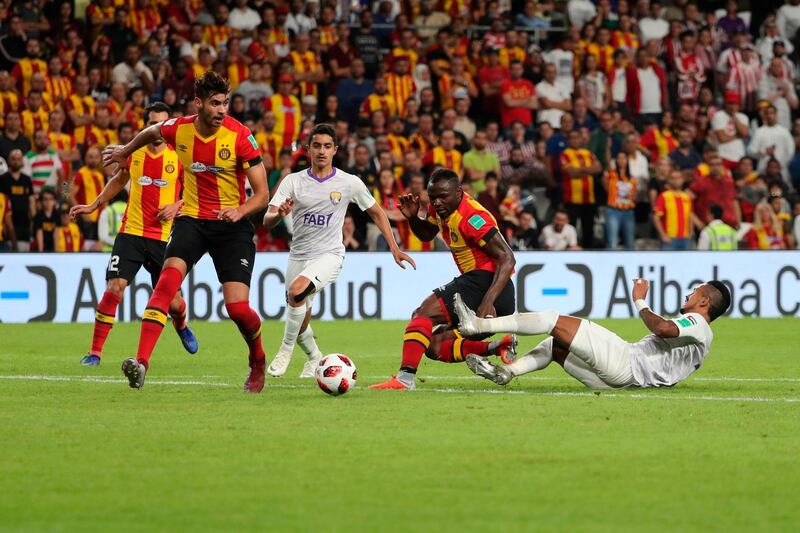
pixel 597 357
pixel 317 198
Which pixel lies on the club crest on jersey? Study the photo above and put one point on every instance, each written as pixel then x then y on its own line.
pixel 224 153
pixel 336 197
pixel 170 168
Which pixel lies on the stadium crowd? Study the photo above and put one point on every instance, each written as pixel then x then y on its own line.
pixel 578 124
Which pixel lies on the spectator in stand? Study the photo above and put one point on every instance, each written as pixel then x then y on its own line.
pixel 86 186
pixel 553 99
pixel 43 165
pixel 685 157
pixel 605 142
pixel 578 169
pixel 18 188
pixel 788 19
pixel 796 230
pixel 8 237
pixel 653 27
pixel 593 86
pixel 717 187
pixel 646 89
pixel 517 98
pixel 445 155
pixel 560 235
pixel 730 128
pixel 621 200
pixel 490 197
pixel 526 235
pixel 254 89
pixel 659 140
pixel 351 242
pixel 772 141
pixel 478 162
pixel 12 137
pixel 67 236
pixel 775 88
pixel 491 78
pixel 766 232
pixel 673 216
pixel 717 235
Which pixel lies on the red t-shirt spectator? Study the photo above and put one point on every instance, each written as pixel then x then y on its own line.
pixel 721 191
pixel 517 89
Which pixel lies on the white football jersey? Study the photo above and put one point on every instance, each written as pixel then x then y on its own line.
pixel 658 362
pixel 320 204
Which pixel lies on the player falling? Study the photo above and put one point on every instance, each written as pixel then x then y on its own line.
pixel 318 198
pixel 218 153
pixel 155 175
pixel 597 357
pixel 485 262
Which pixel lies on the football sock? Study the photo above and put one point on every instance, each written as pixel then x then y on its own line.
pixel 416 340
pixel 294 321
pixel 455 350
pixel 309 344
pixel 155 317
pixel 523 323
pixel 179 316
pixel 104 321
pixel 536 359
pixel 249 324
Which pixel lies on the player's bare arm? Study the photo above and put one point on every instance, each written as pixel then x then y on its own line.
pixel 378 216
pixel 656 324
pixel 112 188
pixel 117 154
pixel 257 175
pixel 275 214
pixel 498 248
pixel 410 206
pixel 170 211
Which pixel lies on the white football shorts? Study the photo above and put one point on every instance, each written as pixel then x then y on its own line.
pixel 605 353
pixel 322 271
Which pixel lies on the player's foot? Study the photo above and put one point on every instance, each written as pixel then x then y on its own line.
pixel 90 360
pixel 255 379
pixel 189 340
pixel 134 371
pixel 505 348
pixel 466 317
pixel 310 368
pixel 392 384
pixel 278 366
pixel 485 369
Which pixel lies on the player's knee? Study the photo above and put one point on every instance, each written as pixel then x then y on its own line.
pixel 433 348
pixel 298 292
pixel 116 286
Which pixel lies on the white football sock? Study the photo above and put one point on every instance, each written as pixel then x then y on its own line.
pixel 294 320
pixel 535 323
pixel 309 344
pixel 536 359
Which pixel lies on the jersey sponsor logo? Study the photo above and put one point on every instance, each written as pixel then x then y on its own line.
pixel 160 183
pixel 212 168
pixel 476 221
pixel 145 180
pixel 224 153
pixel 336 197
pixel 252 141
pixel 198 167
pixel 170 168
pixel 317 219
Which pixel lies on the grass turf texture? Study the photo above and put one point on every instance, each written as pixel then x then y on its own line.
pixel 98 456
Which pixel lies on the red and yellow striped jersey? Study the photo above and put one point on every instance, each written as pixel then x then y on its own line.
pixel 213 166
pixel 32 121
pixel 675 209
pixel 5 208
pixel 621 191
pixel 446 89
pixel 412 55
pixel 577 190
pixel 625 40
pixel 216 34
pixel 88 184
pixel 58 89
pixel 156 181
pixel 305 62
pixel 399 144
pixel 327 35
pixel 376 102
pixel 24 70
pixel 287 116
pixel 237 73
pixel 63 141
pixel 271 144
pixel 466 231
pixel 400 89
pixel 507 55
pixel 440 157
pixel 422 144
pixel 604 55
pixel 102 137
pixel 82 106
pixel 658 142
pixel 144 21
pixel 68 238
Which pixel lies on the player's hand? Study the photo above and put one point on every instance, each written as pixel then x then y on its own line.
pixel 286 207
pixel 400 257
pixel 666 239
pixel 640 288
pixel 114 154
pixel 230 214
pixel 409 205
pixel 486 310
pixel 80 210
pixel 169 212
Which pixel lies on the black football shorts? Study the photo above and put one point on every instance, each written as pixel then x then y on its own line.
pixel 472 286
pixel 130 253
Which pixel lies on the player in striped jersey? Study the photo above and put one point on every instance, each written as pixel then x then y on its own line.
pixel 155 176
pixel 486 263
pixel 218 154
pixel 673 215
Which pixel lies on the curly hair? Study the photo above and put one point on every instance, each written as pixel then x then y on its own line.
pixel 210 84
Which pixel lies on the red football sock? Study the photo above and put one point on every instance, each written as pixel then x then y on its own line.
pixel 455 350
pixel 104 317
pixel 249 324
pixel 179 316
pixel 155 317
pixel 416 340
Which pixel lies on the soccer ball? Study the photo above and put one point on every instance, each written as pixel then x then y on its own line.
pixel 336 374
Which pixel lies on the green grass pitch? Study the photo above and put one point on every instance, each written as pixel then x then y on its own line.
pixel 83 452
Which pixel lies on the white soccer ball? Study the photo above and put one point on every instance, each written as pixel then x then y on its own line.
pixel 336 374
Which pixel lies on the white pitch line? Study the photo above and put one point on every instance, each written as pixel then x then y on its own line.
pixel 516 392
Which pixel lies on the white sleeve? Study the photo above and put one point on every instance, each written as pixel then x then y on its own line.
pixel 26 167
pixel 693 326
pixel 103 227
pixel 360 194
pixel 572 235
pixel 704 242
pixel 285 190
pixel 719 121
pixel 754 148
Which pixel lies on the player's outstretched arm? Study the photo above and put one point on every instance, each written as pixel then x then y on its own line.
pixel 498 248
pixel 257 175
pixel 666 329
pixel 378 216
pixel 112 188
pixel 410 206
pixel 275 213
pixel 118 154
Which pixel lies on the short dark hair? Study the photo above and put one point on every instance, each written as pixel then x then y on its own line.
pixel 156 107
pixel 323 129
pixel 443 174
pixel 716 211
pixel 210 84
pixel 720 296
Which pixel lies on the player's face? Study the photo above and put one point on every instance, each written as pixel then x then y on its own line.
pixel 321 149
pixel 157 118
pixel 213 110
pixel 694 299
pixel 445 197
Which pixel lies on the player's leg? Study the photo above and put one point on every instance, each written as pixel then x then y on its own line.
pixel 308 343
pixel 324 271
pixel 297 291
pixel 237 303
pixel 451 347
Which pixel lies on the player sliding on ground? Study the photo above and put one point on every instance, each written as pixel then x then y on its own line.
pixel 318 198
pixel 597 357
pixel 486 264
pixel 218 154
pixel 155 175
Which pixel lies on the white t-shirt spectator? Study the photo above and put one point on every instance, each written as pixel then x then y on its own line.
pixel 650 91
pixel 254 91
pixel 299 23
pixel 767 87
pixel 559 241
pixel 775 136
pixel 653 29
pixel 563 60
pixel 580 12
pixel 619 85
pixel 788 21
pixel 244 19
pixel 731 150
pixel 555 93
pixel 639 169
pixel 797 231
pixel 124 73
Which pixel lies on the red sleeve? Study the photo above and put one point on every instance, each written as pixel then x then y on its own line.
pixel 751 240
pixel 427 159
pixel 505 85
pixel 658 209
pixel 169 128
pixel 247 151
pixel 478 227
pixel 128 163
pixel 16 72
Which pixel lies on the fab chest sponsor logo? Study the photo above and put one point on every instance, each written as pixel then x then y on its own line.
pixel 317 219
